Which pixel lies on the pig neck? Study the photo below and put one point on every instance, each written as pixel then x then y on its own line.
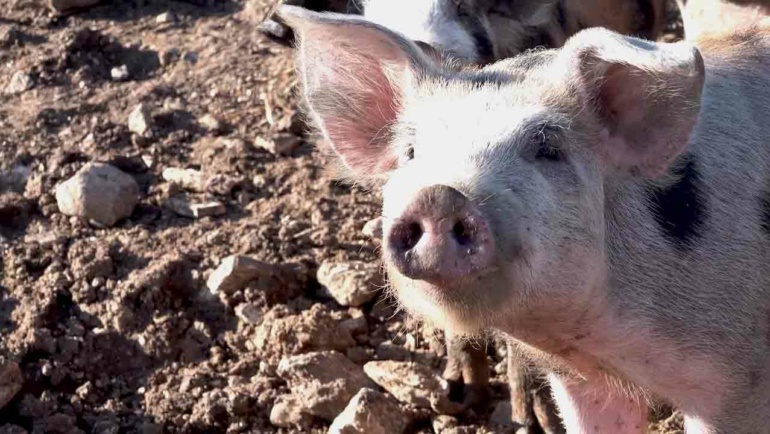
pixel 619 330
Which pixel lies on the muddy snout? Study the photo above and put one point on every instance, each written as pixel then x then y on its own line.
pixel 439 236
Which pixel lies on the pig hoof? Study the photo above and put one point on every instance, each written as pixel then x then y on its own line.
pixel 475 398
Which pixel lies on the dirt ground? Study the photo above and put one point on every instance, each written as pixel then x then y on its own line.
pixel 115 329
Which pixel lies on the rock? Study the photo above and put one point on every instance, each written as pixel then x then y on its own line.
pixel 139 120
pixel 222 184
pixel 190 57
pixel 148 160
pixel 234 272
pixel 389 351
pixel 62 6
pixel 502 414
pixel 287 413
pixel 350 284
pixel 165 17
pixel 356 325
pixel 9 36
pixel 189 179
pixel 313 329
pixel 370 412
pixel 443 422
pixel 170 56
pixel 20 82
pixel 99 193
pixel 501 368
pixel 359 355
pixel 210 123
pixel 249 313
pixel 412 383
pixel 89 261
pixel 373 229
pixel 119 73
pixel 12 429
pixel 323 381
pixel 276 31
pixel 281 144
pixel 11 381
pixel 14 210
pixel 182 206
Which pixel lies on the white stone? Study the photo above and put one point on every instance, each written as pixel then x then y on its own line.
pixel 139 120
pixel 350 284
pixel 99 193
pixel 189 179
pixel 234 272
pixel 370 412
pixel 20 82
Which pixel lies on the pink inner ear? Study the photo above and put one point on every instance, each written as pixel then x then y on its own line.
pixel 621 101
pixel 353 81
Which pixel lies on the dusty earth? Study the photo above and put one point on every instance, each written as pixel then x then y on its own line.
pixel 123 327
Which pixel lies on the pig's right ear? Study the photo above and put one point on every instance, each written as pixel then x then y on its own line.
pixel 646 95
pixel 354 75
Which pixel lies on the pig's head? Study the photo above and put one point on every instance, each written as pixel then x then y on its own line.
pixel 495 181
pixel 476 31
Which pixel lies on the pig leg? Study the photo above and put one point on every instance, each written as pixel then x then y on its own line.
pixel 531 402
pixel 591 406
pixel 545 409
pixel 519 383
pixel 467 372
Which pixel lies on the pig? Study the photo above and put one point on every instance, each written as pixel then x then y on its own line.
pixel 605 206
pixel 700 16
pixel 482 31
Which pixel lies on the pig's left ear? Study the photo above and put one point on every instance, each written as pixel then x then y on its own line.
pixel 354 75
pixel 646 95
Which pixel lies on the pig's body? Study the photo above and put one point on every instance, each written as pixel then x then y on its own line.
pixel 706 16
pixel 606 206
pixel 683 311
pixel 482 31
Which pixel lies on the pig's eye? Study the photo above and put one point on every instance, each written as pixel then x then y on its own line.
pixel 546 145
pixel 409 153
pixel 548 153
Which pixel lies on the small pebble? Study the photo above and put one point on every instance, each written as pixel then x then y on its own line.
pixel 119 73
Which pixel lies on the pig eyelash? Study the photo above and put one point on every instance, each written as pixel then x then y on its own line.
pixel 546 151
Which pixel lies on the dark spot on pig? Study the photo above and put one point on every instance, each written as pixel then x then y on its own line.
pixel 765 205
pixel 678 208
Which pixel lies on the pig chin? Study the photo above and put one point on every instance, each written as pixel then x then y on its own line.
pixel 457 304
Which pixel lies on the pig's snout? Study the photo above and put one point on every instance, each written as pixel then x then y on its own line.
pixel 439 236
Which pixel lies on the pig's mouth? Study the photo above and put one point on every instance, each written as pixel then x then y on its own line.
pixel 454 302
pixel 439 249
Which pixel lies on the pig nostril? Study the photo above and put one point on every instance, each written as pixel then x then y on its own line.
pixel 406 236
pixel 462 233
pixel 413 235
